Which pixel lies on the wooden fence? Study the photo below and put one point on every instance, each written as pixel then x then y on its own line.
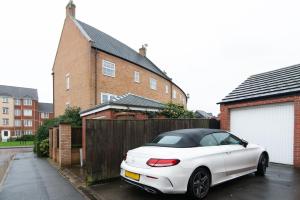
pixel 107 141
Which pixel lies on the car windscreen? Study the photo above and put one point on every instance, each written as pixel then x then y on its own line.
pixel 176 141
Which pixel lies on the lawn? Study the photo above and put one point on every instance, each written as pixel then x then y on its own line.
pixel 16 143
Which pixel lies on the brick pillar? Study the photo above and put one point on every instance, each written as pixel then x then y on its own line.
pixel 225 117
pixel 297 133
pixel 65 145
pixel 54 149
pixel 50 142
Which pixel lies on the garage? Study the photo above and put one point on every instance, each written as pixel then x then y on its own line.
pixel 265 109
pixel 271 126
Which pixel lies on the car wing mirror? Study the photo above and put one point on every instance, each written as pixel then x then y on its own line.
pixel 244 143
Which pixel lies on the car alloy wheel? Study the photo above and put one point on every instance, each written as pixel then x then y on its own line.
pixel 262 165
pixel 200 183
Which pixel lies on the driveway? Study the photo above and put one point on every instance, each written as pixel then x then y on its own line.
pixel 33 178
pixel 281 182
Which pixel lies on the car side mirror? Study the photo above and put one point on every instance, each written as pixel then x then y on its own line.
pixel 244 143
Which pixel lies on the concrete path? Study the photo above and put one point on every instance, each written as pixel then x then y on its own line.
pixel 33 178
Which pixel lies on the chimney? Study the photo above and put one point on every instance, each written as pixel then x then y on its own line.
pixel 143 50
pixel 70 9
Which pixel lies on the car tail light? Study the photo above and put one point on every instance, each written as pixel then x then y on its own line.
pixel 153 162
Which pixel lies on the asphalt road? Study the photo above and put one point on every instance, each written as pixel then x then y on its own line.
pixel 33 178
pixel 280 183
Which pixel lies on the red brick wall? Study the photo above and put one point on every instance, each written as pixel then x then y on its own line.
pixel 225 117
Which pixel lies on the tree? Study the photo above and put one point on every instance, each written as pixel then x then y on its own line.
pixel 176 111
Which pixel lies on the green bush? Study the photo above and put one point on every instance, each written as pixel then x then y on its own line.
pixel 176 111
pixel 44 148
pixel 70 116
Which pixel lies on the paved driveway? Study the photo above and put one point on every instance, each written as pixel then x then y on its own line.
pixel 33 178
pixel 281 182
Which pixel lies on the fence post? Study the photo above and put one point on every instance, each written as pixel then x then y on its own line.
pixel 65 154
pixel 50 142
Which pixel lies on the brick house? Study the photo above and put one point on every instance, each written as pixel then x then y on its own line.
pixel 91 67
pixel 20 112
pixel 265 109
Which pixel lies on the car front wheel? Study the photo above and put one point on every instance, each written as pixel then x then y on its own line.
pixel 199 183
pixel 262 165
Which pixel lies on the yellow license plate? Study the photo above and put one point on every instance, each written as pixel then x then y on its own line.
pixel 132 175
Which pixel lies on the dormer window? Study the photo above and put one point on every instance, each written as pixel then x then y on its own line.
pixel 27 102
pixel 108 68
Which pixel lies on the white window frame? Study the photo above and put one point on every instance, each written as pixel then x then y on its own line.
pixel 112 67
pixel 28 132
pixel 153 83
pixel 27 122
pixel 5 121
pixel 67 81
pixel 174 94
pixel 18 112
pixel 5 110
pixel 110 96
pixel 27 112
pixel 45 115
pixel 18 124
pixel 136 76
pixel 18 133
pixel 17 102
pixel 4 99
pixel 167 89
pixel 27 102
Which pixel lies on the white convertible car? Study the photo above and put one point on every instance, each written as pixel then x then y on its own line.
pixel 191 161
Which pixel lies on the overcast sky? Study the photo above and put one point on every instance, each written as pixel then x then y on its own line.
pixel 207 47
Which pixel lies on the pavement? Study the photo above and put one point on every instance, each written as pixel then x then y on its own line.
pixel 280 183
pixel 35 179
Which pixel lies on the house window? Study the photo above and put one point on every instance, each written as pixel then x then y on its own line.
pixel 27 112
pixel 153 84
pixel 174 94
pixel 18 133
pixel 27 123
pixel 5 121
pixel 4 99
pixel 167 89
pixel 108 68
pixel 17 102
pixel 18 122
pixel 17 112
pixel 27 102
pixel 28 132
pixel 136 77
pixel 44 115
pixel 67 81
pixel 106 97
pixel 5 110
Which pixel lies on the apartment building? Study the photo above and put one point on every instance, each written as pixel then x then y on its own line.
pixel 20 111
pixel 91 68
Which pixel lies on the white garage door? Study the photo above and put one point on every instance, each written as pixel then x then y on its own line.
pixel 271 126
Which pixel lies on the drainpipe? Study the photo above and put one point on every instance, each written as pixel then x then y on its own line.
pixel 96 76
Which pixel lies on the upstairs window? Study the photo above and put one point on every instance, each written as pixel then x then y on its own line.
pixel 27 102
pixel 174 94
pixel 17 112
pixel 5 121
pixel 17 102
pixel 4 99
pixel 153 84
pixel 108 68
pixel 5 110
pixel 136 77
pixel 44 115
pixel 106 97
pixel 167 89
pixel 18 122
pixel 27 112
pixel 67 81
pixel 27 123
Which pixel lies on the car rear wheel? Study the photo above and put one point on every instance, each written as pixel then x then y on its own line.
pixel 199 183
pixel 262 165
